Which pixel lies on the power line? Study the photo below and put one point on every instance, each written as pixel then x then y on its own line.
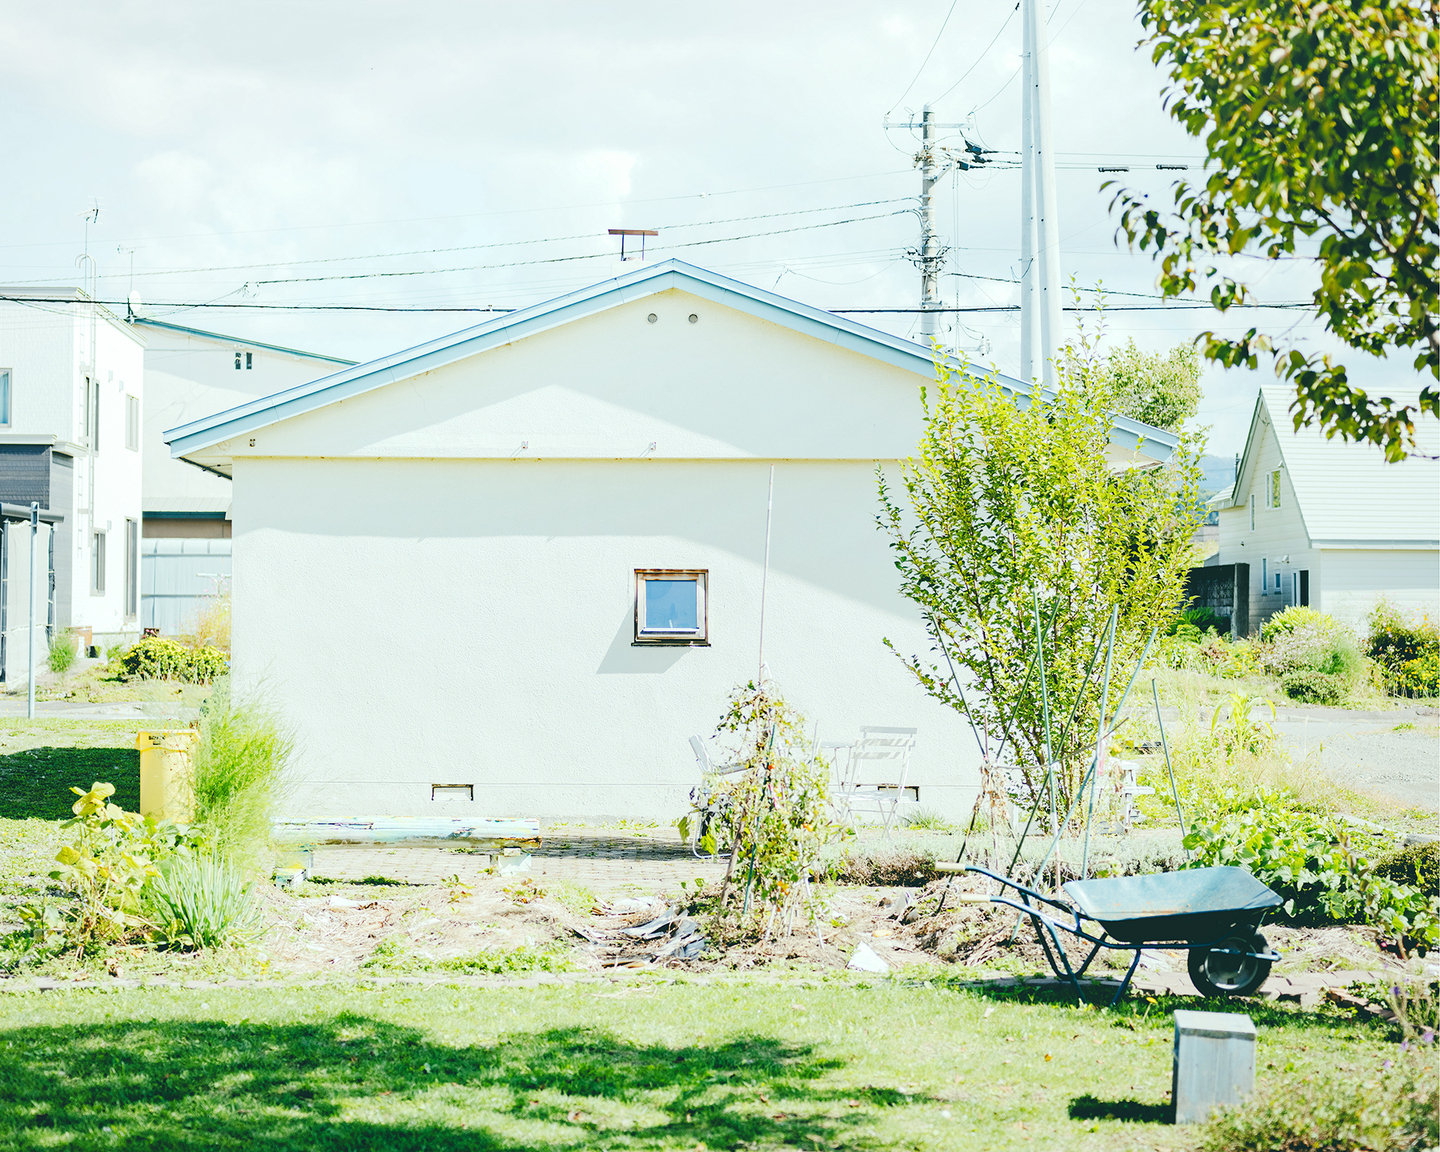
pixel 933 46
pixel 220 304
pixel 495 244
pixel 569 259
pixel 978 59
pixel 484 215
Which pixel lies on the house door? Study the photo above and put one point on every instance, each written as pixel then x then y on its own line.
pixel 1304 588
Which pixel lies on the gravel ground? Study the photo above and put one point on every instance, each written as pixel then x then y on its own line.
pixel 1396 753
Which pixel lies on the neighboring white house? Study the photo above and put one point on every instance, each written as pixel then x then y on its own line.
pixel 1328 523
pixel 526 559
pixel 185 545
pixel 71 395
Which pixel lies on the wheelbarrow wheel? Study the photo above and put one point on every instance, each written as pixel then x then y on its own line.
pixel 1230 972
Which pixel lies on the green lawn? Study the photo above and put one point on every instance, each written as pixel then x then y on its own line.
pixel 591 1066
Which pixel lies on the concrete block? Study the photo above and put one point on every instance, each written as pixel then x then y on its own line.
pixel 1214 1063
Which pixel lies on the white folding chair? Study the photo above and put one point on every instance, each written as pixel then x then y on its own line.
pixel 707 766
pixel 875 772
pixel 1129 788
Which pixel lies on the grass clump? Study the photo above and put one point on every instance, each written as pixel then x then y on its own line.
pixel 238 765
pixel 1392 1108
pixel 202 902
pixel 888 868
pixel 392 955
pixel 63 651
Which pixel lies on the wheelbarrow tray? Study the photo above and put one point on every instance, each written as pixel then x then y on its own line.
pixel 1193 906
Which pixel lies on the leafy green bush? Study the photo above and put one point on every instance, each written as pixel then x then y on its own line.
pixel 1388 1109
pixel 1295 619
pixel 1407 649
pixel 1196 622
pixel 1312 687
pixel 63 650
pixel 105 871
pixel 159 658
pixel 1418 865
pixel 1314 865
pixel 241 755
pixel 200 901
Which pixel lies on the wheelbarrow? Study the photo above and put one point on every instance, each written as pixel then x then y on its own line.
pixel 1213 913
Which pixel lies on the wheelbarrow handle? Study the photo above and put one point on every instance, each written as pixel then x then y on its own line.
pixel 1021 888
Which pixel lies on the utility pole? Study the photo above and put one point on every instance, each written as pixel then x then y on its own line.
pixel 932 256
pixel 1039 224
pixel 933 161
pixel 30 657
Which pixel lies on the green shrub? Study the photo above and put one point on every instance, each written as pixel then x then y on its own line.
pixel 105 872
pixel 1314 865
pixel 1313 687
pixel 1388 1109
pixel 238 764
pixel 1417 865
pixel 1295 619
pixel 201 901
pixel 1407 650
pixel 1197 621
pixel 63 650
pixel 158 658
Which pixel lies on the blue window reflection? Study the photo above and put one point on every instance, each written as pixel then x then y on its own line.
pixel 671 605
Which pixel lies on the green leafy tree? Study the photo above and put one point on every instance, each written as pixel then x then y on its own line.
pixel 1159 389
pixel 1319 123
pixel 1008 501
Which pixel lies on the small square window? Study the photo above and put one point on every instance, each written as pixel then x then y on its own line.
pixel 671 606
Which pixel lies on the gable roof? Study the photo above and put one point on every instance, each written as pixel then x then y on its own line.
pixel 1348 496
pixel 245 419
pixel 236 341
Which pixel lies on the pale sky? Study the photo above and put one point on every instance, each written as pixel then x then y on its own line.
pixel 473 151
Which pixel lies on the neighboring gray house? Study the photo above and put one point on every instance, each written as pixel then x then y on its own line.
pixel 185 552
pixel 1328 523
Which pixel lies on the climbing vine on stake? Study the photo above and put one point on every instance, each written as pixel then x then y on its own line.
pixel 776 820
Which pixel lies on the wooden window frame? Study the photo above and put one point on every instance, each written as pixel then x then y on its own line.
pixel 648 637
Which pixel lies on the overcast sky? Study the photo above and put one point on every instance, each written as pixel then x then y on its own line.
pixel 239 149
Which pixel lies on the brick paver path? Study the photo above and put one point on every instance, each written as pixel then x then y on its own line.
pixel 610 862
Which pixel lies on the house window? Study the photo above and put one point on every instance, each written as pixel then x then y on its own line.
pixel 1275 488
pixel 1252 512
pixel 1277 583
pixel 132 423
pixel 97 564
pixel 4 397
pixel 132 568
pixel 1264 576
pixel 671 606
pixel 244 360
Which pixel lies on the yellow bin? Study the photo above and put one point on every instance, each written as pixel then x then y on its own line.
pixel 167 786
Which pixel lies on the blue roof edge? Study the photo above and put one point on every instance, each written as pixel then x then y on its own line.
pixel 838 330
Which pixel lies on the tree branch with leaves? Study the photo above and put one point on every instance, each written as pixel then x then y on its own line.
pixel 1319 123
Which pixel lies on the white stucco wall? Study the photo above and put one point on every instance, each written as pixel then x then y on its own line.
pixel 471 622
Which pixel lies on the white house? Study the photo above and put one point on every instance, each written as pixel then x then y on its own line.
pixel 71 391
pixel 526 559
pixel 1328 523
pixel 189 372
